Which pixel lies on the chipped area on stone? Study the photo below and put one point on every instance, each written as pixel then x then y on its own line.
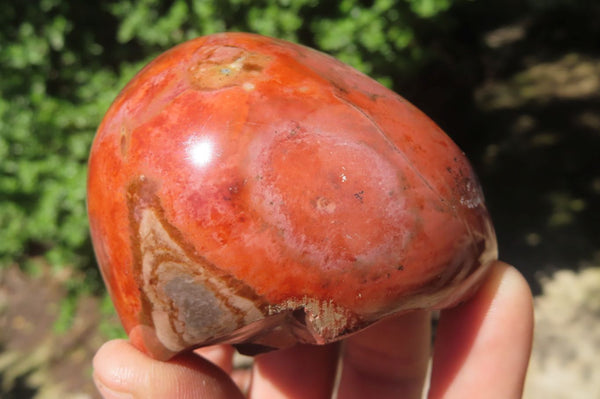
pixel 324 319
pixel 472 197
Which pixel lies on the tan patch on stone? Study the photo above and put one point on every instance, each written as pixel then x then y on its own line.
pixel 227 66
pixel 189 300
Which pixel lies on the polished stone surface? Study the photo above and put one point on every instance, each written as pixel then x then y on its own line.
pixel 248 190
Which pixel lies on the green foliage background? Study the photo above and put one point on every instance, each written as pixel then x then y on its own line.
pixel 62 63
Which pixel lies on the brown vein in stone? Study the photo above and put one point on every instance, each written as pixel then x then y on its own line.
pixel 142 196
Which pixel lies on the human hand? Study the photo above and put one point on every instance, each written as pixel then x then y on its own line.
pixel 481 349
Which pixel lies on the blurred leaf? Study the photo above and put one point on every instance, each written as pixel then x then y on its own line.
pixel 429 8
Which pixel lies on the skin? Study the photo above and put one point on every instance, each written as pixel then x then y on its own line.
pixel 481 349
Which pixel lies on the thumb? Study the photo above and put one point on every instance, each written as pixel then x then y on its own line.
pixel 122 371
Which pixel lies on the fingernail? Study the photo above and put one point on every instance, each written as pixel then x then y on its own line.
pixel 108 393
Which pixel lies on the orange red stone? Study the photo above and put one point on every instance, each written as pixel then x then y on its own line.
pixel 247 189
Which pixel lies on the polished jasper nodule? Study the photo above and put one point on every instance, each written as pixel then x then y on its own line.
pixel 248 190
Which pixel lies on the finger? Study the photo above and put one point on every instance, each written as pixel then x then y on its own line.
pixel 219 355
pixel 388 360
pixel 242 378
pixel 303 371
pixel 482 346
pixel 223 356
pixel 121 371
